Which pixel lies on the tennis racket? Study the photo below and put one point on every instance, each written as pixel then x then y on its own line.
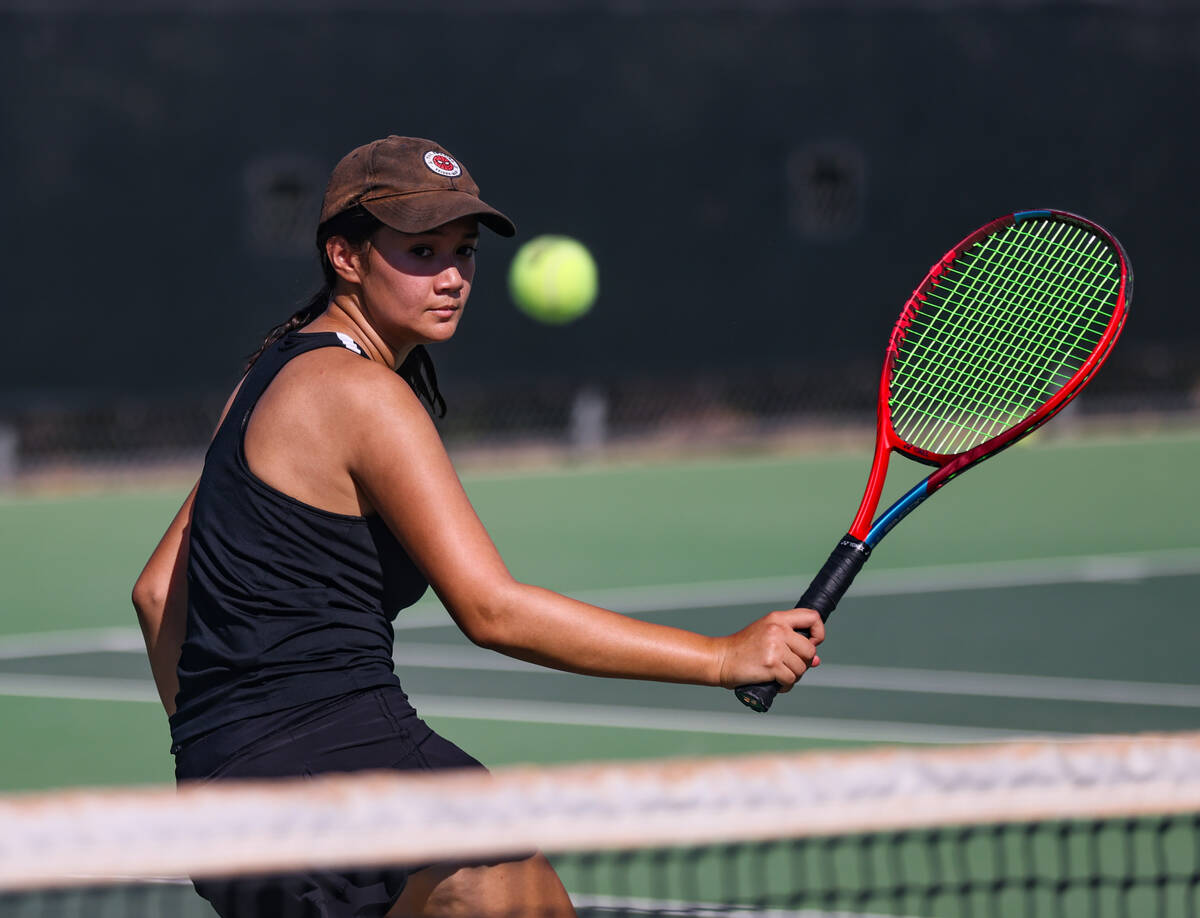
pixel 1002 333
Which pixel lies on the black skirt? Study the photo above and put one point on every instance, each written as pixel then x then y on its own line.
pixel 368 730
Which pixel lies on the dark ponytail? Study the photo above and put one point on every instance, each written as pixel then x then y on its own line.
pixel 301 317
pixel 357 226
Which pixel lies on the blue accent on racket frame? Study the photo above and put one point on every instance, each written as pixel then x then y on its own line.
pixel 896 512
pixel 1030 215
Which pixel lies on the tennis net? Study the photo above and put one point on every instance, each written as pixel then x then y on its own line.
pixel 1092 827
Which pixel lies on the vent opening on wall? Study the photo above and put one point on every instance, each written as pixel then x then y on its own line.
pixel 283 202
pixel 827 190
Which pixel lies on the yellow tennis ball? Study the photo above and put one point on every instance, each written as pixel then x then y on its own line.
pixel 553 279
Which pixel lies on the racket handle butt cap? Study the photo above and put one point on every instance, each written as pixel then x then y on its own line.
pixel 757 697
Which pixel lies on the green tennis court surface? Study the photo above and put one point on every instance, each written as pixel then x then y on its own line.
pixel 1052 591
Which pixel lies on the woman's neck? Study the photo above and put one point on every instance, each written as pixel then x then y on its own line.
pixel 343 314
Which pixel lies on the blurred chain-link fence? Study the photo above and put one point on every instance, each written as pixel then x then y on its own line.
pixel 1139 386
pixel 759 199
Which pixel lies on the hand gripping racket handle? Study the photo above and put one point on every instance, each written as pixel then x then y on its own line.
pixel 823 594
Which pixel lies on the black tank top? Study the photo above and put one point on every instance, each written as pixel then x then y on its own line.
pixel 287 604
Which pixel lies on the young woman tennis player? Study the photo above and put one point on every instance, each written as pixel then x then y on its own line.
pixel 326 505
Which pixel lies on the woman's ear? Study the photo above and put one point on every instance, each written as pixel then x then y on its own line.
pixel 349 262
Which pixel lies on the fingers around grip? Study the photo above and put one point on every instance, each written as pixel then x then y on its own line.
pixel 807 622
pixel 790 645
pixel 791 637
pixel 808 631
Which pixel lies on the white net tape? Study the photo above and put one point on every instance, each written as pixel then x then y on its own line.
pixel 89 837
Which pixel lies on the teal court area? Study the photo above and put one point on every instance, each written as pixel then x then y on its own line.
pixel 1049 592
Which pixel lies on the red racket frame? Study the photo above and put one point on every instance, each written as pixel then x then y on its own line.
pixel 949 465
pixel 853 550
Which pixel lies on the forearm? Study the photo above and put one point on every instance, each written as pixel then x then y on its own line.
pixel 544 627
pixel 160 598
pixel 163 626
pixel 425 505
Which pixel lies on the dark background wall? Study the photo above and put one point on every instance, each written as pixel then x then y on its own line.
pixel 760 185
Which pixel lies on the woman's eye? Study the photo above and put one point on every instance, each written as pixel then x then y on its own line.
pixel 468 251
pixel 423 251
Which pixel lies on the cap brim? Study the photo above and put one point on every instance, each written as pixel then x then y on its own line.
pixel 424 210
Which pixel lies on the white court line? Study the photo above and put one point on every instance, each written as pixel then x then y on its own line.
pixel 1089 568
pixel 1005 685
pixel 904 581
pixel 737 723
pixel 566 713
pixel 830 675
pixel 77 688
pixel 1095 568
pixel 429 613
pixel 876 678
pixel 62 643
pixel 621 905
pixel 1109 568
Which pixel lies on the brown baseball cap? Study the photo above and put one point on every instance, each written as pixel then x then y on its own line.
pixel 409 183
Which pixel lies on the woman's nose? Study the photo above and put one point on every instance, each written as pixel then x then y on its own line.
pixel 450 279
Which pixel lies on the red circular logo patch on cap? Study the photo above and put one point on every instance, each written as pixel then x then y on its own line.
pixel 442 164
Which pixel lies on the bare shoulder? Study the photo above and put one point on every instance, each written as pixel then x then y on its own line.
pixel 336 387
pixel 317 420
pixel 365 406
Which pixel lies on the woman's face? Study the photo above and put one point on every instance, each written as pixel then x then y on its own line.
pixel 414 287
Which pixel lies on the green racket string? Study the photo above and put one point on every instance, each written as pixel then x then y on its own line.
pixel 1042 350
pixel 1006 326
pixel 982 287
pixel 983 354
pixel 983 281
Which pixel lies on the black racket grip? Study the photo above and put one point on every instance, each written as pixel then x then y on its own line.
pixel 823 594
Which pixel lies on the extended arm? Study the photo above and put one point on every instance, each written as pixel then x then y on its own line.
pixel 398 461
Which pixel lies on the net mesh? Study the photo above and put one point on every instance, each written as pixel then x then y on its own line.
pixel 1104 826
pixel 1002 329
